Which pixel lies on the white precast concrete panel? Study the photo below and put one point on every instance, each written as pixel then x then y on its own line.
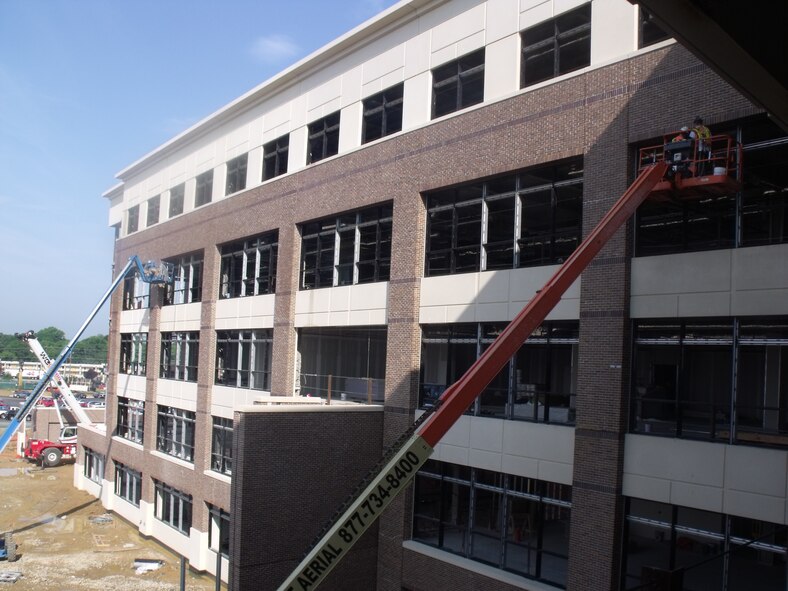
pixel 501 72
pixel 132 387
pixel 180 317
pixel 296 156
pixel 351 86
pixel 135 320
pixel 350 127
pixel 736 480
pixel 612 31
pixel 521 448
pixel 534 12
pixel 391 60
pixel 245 313
pixel 177 394
pixel 501 17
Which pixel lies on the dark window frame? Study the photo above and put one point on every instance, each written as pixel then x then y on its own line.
pixel 172 507
pixel 186 286
pixel 275 157
pixel 385 106
pixel 235 179
pixel 461 238
pixel 238 354
pixel 179 356
pixel 455 506
pixel 222 446
pixel 131 419
pixel 323 138
pixel 177 198
pixel 128 484
pixel 248 267
pixel 175 430
pixel 203 191
pixel 152 215
pixel 649 32
pixel 461 79
pixel 133 353
pixel 338 250
pixel 549 38
pixel 220 520
pixel 133 220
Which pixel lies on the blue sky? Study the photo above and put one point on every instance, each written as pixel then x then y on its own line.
pixel 89 86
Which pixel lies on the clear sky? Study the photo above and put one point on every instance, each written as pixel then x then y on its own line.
pixel 89 86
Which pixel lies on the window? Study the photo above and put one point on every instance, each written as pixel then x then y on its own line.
pixel 243 358
pixel 173 507
pixel 650 31
pixel 275 157
pixel 176 199
pixel 714 551
pixel 759 209
pixel 458 84
pixel 219 531
pixel 349 362
pixel 136 292
pixel 249 266
pixel 180 353
pixel 508 522
pixel 522 220
pixel 683 385
pixel 131 419
pixel 204 191
pixel 153 210
pixel 94 465
pixel 133 221
pixel 346 250
pixel 133 353
pixel 538 384
pixel 382 114
pixel 186 287
pixel 557 46
pixel 236 174
pixel 175 432
pixel 323 138
pixel 128 484
pixel 222 446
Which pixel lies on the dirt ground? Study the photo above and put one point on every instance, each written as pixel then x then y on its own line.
pixel 66 541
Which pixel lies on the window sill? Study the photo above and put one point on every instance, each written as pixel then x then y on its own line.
pixel 129 442
pixel 173 459
pixel 218 476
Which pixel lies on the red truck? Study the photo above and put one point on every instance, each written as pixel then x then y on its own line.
pixel 53 452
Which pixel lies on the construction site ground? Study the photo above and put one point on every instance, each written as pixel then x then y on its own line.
pixel 67 541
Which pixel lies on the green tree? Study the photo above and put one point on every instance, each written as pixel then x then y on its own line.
pixel 91 350
pixel 52 340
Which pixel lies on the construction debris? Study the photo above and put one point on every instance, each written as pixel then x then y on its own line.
pixel 144 565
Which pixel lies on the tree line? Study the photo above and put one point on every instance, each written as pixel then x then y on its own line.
pixel 88 350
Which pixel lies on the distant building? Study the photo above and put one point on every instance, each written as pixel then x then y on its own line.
pixel 373 216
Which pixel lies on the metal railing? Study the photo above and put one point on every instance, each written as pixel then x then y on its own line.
pixel 345 388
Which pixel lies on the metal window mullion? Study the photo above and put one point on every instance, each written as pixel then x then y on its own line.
pixel 357 250
pixel 484 233
pixel 733 423
pixel 335 271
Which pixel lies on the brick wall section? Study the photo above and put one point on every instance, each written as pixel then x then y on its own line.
pixel 281 501
pixel 283 361
pixel 597 115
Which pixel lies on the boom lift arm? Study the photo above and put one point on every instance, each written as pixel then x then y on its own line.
pixel 406 461
pixel 150 272
pixel 68 396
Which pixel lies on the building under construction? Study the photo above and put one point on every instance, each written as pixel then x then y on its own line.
pixel 362 226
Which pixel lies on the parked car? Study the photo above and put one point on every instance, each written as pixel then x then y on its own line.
pixel 21 394
pixel 4 407
pixel 97 404
pixel 45 402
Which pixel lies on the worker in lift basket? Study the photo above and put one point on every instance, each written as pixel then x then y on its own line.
pixel 679 159
pixel 701 134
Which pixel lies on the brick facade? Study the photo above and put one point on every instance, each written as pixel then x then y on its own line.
pixel 597 115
